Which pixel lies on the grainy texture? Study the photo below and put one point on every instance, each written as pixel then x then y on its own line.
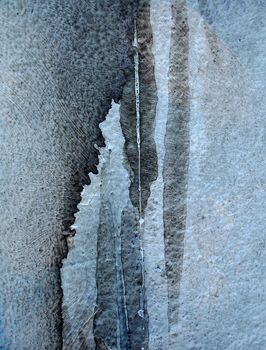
pixel 61 64
pixel 204 205
pixel 186 270
pixel 176 157
pixel 148 100
pixel 222 292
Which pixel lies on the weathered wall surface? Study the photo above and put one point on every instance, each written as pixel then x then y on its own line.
pixel 169 251
pixel 108 295
pixel 61 64
pixel 201 229
pixel 222 294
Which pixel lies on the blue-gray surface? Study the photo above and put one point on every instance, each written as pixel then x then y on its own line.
pixel 61 63
pixel 203 235
pixel 189 272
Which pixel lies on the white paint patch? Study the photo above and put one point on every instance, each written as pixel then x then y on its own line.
pixel 156 283
pixel 79 269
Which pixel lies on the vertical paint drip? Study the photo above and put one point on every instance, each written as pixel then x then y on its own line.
pixel 138 134
pixel 175 168
pixel 156 287
pixel 137 93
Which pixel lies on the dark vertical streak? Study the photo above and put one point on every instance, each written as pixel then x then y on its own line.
pixel 121 304
pixel 130 231
pixel 138 326
pixel 148 100
pixel 176 157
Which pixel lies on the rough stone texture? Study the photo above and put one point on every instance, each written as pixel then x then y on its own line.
pixel 61 64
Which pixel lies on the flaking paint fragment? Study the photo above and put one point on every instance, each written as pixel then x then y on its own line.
pixel 79 272
pixel 156 282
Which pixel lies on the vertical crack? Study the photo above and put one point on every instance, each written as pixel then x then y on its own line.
pixel 138 139
pixel 138 131
pixel 137 112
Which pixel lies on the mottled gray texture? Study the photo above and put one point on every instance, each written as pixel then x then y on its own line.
pixel 200 284
pixel 204 216
pixel 108 305
pixel 61 63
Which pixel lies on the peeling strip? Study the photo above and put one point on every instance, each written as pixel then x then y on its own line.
pixel 176 158
pixel 136 70
pixel 141 219
pixel 156 282
pixel 137 120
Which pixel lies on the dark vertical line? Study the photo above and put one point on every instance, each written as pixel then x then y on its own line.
pixel 121 293
pixel 147 109
pixel 143 169
pixel 176 157
pixel 137 325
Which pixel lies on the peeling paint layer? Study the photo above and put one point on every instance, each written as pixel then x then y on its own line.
pixel 105 256
pixel 155 277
